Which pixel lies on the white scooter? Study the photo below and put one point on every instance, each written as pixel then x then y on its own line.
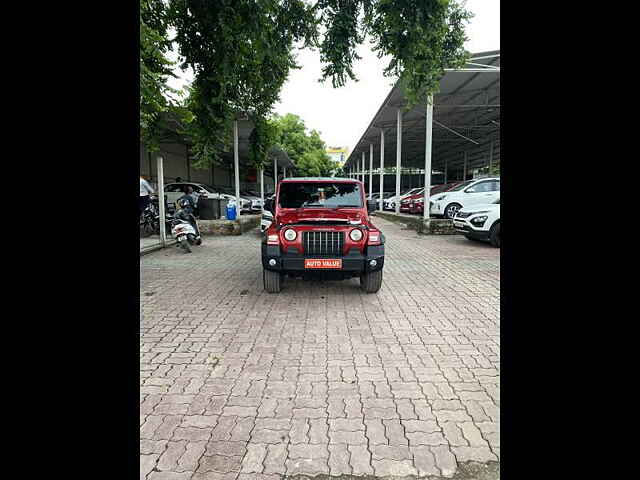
pixel 184 229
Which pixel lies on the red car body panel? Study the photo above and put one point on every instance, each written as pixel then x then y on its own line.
pixel 295 216
pixel 418 208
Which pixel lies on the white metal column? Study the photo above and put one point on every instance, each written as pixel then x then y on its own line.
pixel 362 173
pixel 284 172
pixel 275 173
pixel 490 156
pixel 464 174
pixel 161 203
pixel 381 168
pixel 445 171
pixel 370 169
pixel 398 157
pixel 236 166
pixel 427 158
pixel 262 185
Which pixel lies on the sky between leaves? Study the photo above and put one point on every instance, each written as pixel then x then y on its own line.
pixel 342 114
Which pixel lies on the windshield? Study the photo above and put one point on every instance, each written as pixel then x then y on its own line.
pixel 462 185
pixel 319 194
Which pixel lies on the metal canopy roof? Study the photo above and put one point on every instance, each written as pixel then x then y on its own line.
pixel 245 127
pixel 466 118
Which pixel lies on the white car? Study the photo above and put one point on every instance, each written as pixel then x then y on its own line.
pixel 467 194
pixel 480 222
pixel 248 201
pixel 385 196
pixel 266 220
pixel 390 203
pixel 256 201
pixel 173 191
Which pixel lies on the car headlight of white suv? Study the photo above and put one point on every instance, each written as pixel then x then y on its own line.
pixel 478 221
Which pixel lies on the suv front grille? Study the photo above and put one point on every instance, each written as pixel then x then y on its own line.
pixel 323 243
pixel 463 214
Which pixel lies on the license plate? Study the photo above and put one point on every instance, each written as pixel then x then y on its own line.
pixel 322 263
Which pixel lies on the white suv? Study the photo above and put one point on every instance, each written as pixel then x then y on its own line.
pixel 467 194
pixel 480 222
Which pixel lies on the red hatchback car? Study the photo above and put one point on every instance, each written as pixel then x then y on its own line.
pixel 417 203
pixel 321 227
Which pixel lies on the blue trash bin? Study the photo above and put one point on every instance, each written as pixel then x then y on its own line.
pixel 231 212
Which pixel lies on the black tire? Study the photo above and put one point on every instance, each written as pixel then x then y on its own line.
pixel 272 281
pixel 185 246
pixel 451 210
pixel 199 241
pixel 494 235
pixel 146 229
pixel 371 282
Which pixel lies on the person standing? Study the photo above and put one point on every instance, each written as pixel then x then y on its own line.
pixel 145 191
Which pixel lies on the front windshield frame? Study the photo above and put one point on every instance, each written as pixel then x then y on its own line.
pixel 207 188
pixel 462 186
pixel 354 200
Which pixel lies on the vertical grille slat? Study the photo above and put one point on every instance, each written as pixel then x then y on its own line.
pixel 323 243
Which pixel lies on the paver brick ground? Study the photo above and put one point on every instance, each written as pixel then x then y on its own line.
pixel 321 379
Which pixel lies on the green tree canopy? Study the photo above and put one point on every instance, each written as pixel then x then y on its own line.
pixel 307 151
pixel 155 69
pixel 241 52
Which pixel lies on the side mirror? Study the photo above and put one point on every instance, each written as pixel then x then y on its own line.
pixel 372 206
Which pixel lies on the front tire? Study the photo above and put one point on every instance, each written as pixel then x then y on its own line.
pixel 371 282
pixel 185 246
pixel 452 210
pixel 494 235
pixel 272 281
pixel 147 229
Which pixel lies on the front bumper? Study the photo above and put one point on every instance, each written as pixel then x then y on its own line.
pixel 466 229
pixel 353 262
pixel 437 209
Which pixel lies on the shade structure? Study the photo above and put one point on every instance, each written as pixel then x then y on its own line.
pixel 466 121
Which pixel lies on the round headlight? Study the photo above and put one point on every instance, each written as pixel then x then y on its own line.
pixel 356 235
pixel 290 235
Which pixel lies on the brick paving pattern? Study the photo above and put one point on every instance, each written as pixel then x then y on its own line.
pixel 236 383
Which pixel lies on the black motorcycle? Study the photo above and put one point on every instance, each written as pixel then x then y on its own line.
pixel 150 219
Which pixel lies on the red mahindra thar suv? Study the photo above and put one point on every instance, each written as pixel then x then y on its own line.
pixel 321 227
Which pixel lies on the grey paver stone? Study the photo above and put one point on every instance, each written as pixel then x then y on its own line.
pixel 360 460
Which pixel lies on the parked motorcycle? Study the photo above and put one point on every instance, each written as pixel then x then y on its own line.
pixel 184 228
pixel 150 219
